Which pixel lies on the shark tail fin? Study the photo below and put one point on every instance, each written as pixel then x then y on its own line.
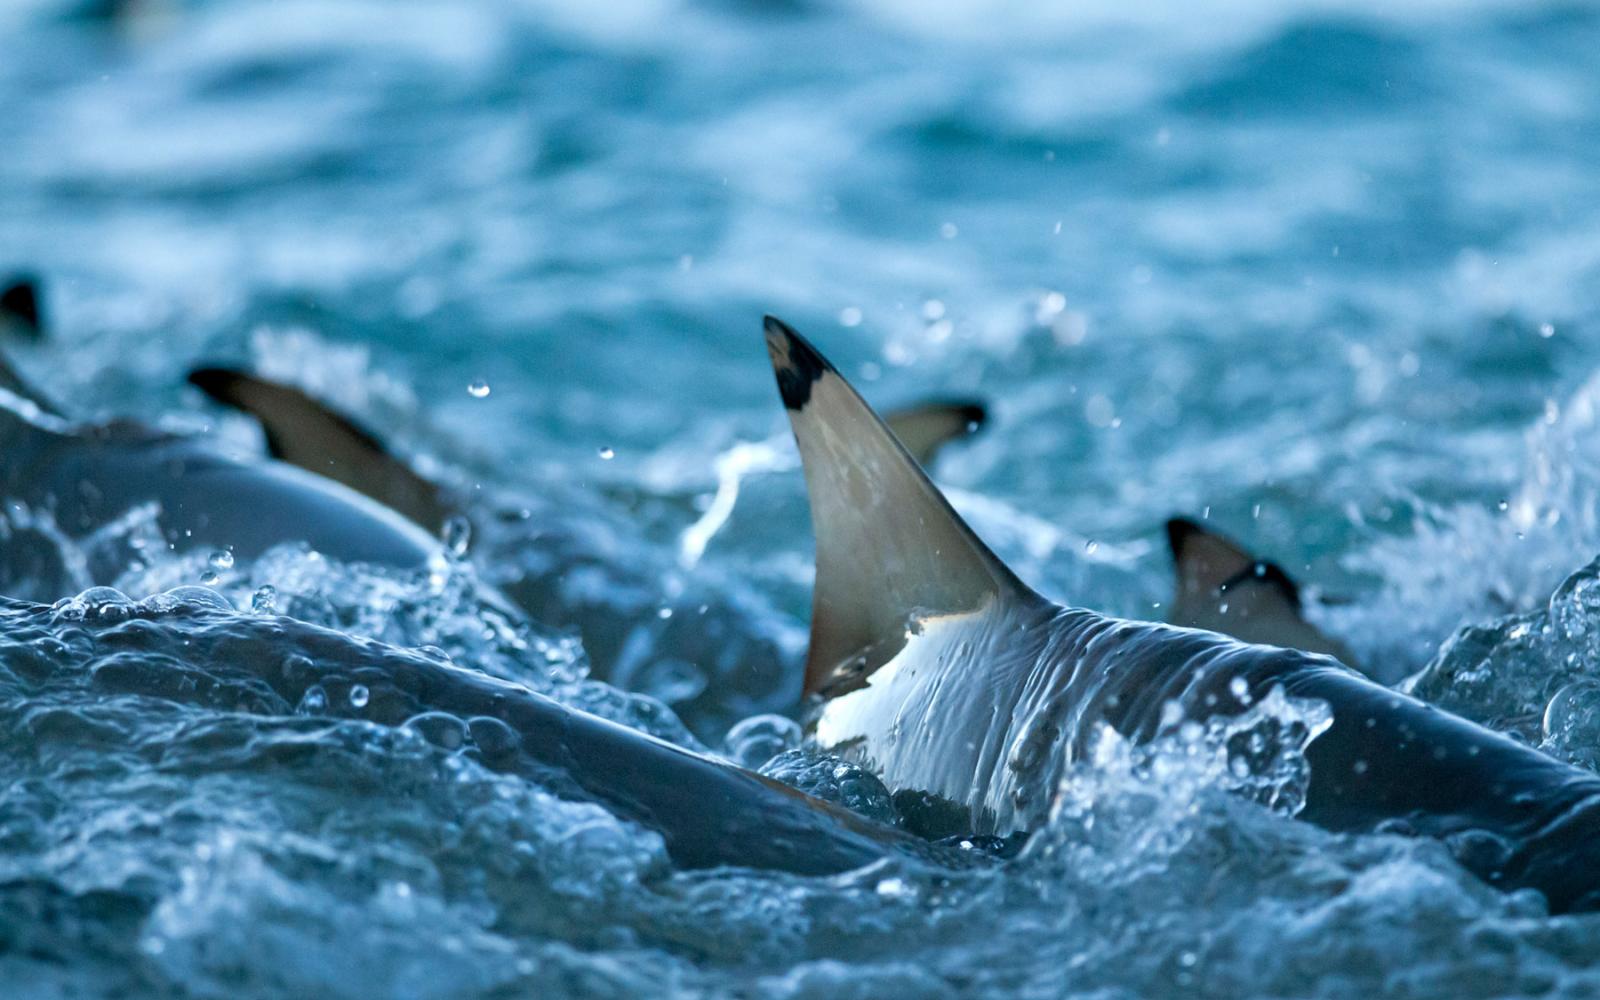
pixel 890 549
pixel 927 428
pixel 19 308
pixel 303 432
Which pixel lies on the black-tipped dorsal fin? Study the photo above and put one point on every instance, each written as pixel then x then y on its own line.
pixel 19 308
pixel 1223 588
pixel 929 427
pixel 1203 559
pixel 303 432
pixel 890 549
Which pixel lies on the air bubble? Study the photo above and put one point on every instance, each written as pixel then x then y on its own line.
pixel 313 702
pixel 607 453
pixel 478 389
pixel 359 696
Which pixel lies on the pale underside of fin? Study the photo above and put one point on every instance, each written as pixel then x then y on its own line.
pixel 303 432
pixel 890 550
pixel 1223 588
pixel 925 429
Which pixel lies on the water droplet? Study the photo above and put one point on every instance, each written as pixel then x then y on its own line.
pixel 209 578
pixel 1240 689
pixel 607 453
pixel 1547 330
pixel 359 696
pixel 221 559
pixel 760 738
pixel 1091 547
pixel 849 316
pixel 456 535
pixel 949 231
pixel 1171 715
pixel 478 389
pixel 440 728
pixel 265 600
pixel 893 887
pixel 664 613
pixel 314 701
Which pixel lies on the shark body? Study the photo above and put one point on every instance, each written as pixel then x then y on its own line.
pixel 933 665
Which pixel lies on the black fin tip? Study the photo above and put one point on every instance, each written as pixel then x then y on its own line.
pixel 798 365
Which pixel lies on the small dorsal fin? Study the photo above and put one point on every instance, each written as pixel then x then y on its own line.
pixel 927 428
pixel 1223 588
pixel 19 308
pixel 303 432
pixel 890 549
pixel 1204 559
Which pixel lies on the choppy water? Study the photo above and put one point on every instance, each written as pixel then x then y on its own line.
pixel 1326 270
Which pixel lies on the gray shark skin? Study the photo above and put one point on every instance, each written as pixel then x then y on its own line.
pixel 88 475
pixel 935 667
pixel 183 647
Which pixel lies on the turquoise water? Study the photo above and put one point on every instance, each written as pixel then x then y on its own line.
pixel 1326 271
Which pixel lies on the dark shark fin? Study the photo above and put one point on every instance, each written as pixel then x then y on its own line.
pixel 925 429
pixel 890 549
pixel 1204 559
pixel 19 309
pixel 303 432
pixel 1223 588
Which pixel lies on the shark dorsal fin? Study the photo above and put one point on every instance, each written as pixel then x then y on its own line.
pixel 303 432
pixel 1203 559
pixel 19 308
pixel 1220 584
pixel 890 549
pixel 1223 588
pixel 927 428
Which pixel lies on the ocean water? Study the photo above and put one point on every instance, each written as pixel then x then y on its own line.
pixel 1323 272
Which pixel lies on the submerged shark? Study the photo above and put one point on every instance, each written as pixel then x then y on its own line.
pixel 645 623
pixel 938 669
pixel 710 813
pixel 84 477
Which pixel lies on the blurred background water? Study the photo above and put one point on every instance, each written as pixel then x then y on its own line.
pixel 1322 271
